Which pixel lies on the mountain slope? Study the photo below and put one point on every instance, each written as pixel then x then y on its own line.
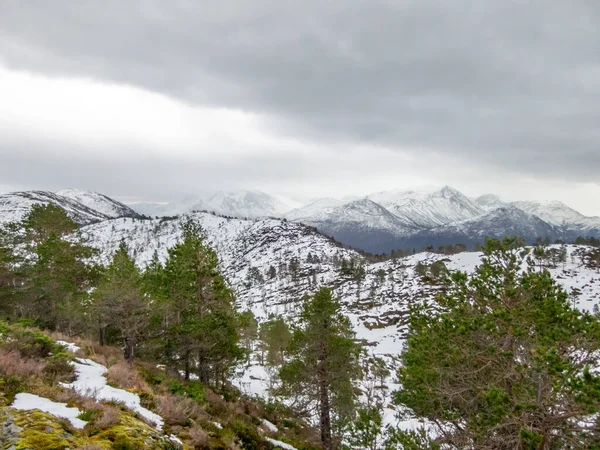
pixel 252 204
pixel 429 209
pixel 99 202
pixel 498 223
pixel 14 206
pixel 361 224
pixel 559 214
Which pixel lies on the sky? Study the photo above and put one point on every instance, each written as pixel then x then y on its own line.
pixel 150 100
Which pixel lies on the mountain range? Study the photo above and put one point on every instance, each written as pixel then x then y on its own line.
pixel 272 263
pixel 378 223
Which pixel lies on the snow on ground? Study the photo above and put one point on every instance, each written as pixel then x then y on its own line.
pixel 270 426
pixel 28 402
pixel 91 382
pixel 280 444
pixel 70 346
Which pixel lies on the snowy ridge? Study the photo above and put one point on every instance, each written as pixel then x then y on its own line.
pixel 99 202
pixel 14 206
pixel 429 209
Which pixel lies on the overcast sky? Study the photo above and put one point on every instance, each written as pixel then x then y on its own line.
pixel 149 100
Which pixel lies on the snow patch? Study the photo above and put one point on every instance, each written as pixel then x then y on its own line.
pixel 91 382
pixel 280 444
pixel 70 346
pixel 270 426
pixel 29 402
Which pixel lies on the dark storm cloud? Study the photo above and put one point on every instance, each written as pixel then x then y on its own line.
pixel 513 84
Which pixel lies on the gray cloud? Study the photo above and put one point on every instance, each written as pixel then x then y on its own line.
pixel 510 85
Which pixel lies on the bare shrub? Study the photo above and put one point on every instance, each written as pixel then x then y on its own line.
pixel 199 437
pixel 125 376
pixel 12 364
pixel 110 416
pixel 177 410
pixel 218 406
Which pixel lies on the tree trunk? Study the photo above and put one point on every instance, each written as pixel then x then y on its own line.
pixel 324 406
pixel 102 336
pixel 129 351
pixel 187 365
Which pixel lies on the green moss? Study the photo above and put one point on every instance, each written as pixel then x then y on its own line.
pixel 42 441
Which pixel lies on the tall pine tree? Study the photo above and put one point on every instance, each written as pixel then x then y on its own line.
pixel 323 365
pixel 199 318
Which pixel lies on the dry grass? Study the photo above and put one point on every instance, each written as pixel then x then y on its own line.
pixel 199 437
pixel 91 447
pixel 177 410
pixel 12 364
pixel 110 416
pixel 102 354
pixel 218 406
pixel 126 376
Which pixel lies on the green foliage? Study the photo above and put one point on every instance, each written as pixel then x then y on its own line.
pixel 365 431
pixel 324 363
pixel 42 221
pixel 55 283
pixel 275 336
pixel 196 306
pixel 504 360
pixel 119 302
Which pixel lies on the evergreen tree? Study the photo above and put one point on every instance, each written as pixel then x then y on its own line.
pixel 323 365
pixel 275 336
pixel 505 362
pixel 56 281
pixel 199 319
pixel 119 302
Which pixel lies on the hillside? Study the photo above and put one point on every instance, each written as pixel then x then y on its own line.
pixel 272 264
pixel 58 394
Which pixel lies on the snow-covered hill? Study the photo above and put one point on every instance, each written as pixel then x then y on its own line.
pixel 99 202
pixel 252 204
pixel 14 206
pixel 304 260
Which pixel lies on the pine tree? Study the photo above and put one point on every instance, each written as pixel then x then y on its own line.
pixel 275 336
pixel 200 323
pixel 56 281
pixel 505 362
pixel 119 302
pixel 324 364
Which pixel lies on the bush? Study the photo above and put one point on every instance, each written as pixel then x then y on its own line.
pixel 12 364
pixel 125 376
pixel 177 410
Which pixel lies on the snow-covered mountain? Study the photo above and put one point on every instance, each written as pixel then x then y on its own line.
pixel 442 217
pixel 498 223
pixel 489 202
pixel 99 202
pixel 559 214
pixel 252 204
pixel 429 209
pixel 362 223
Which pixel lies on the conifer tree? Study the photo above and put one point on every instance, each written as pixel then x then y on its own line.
pixel 119 302
pixel 323 365
pixel 505 362
pixel 56 281
pixel 275 336
pixel 200 322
